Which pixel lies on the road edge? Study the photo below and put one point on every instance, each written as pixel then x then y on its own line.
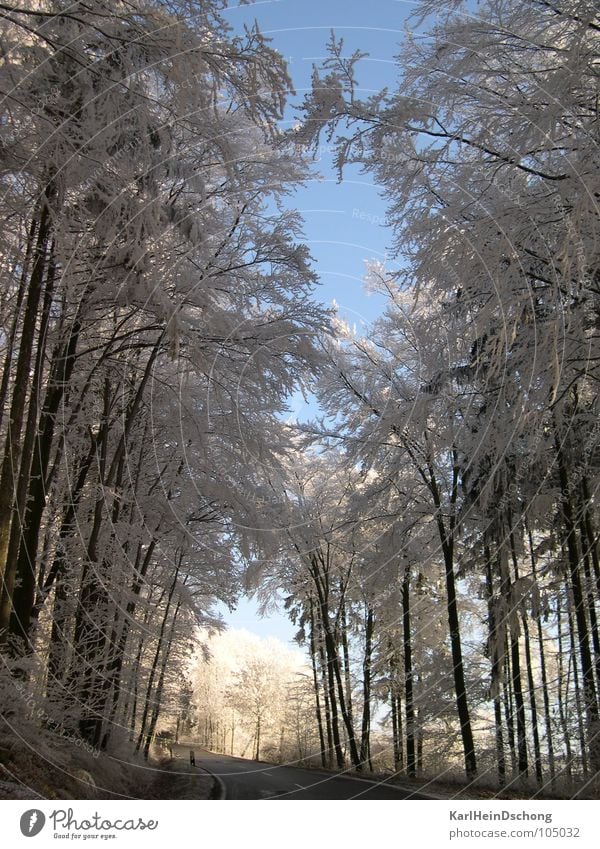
pixel 219 791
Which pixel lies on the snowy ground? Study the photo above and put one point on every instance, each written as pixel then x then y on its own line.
pixel 51 771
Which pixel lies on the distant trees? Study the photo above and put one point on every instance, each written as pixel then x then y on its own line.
pixel 252 697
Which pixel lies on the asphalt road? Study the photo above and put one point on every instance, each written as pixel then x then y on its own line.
pixel 246 779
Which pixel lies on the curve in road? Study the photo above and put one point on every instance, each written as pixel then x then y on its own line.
pixel 246 779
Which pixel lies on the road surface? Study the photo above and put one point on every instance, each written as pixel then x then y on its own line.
pixel 246 779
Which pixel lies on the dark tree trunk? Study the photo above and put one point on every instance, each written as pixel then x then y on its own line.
pixel 544 674
pixel 346 657
pixel 154 667
pixel 580 709
pixel 331 655
pixel 365 748
pixel 396 739
pixel 515 657
pixel 419 744
pixel 160 685
pixel 523 766
pixel 56 577
pixel 400 730
pixel 530 682
pixel 587 666
pixel 533 706
pixel 114 668
pixel 446 534
pixel 12 448
pixel 591 533
pixel 561 706
pixel 411 767
pixel 496 671
pixel 320 580
pixel 328 716
pixel 12 334
pixel 509 711
pixel 20 574
pixel 60 374
pixel 316 686
pixel 91 631
pixel 591 606
pixel 459 674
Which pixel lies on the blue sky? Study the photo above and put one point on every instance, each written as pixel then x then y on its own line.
pixel 343 222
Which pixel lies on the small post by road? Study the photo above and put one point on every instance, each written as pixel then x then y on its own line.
pixel 192 758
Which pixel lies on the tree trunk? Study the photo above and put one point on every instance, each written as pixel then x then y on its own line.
pixel 580 709
pixel 447 541
pixel 589 596
pixel 334 664
pixel 320 580
pixel 12 448
pixel 419 744
pixel 331 682
pixel 508 710
pixel 400 730
pixel 365 748
pixel 587 666
pixel 346 657
pixel 20 574
pixel 544 674
pixel 458 669
pixel 113 671
pixel 590 531
pixel 409 708
pixel 12 334
pixel 313 659
pixel 561 707
pixel 515 658
pixel 155 661
pixel 496 671
pixel 328 717
pixel 523 766
pixel 159 687
pixel 530 681
pixel 60 374
pixel 395 736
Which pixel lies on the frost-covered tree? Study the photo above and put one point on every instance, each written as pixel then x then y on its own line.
pixel 488 155
pixel 250 697
pixel 156 315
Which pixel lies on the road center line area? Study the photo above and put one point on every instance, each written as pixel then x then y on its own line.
pixel 248 779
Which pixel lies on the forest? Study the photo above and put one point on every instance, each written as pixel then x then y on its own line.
pixel 432 529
